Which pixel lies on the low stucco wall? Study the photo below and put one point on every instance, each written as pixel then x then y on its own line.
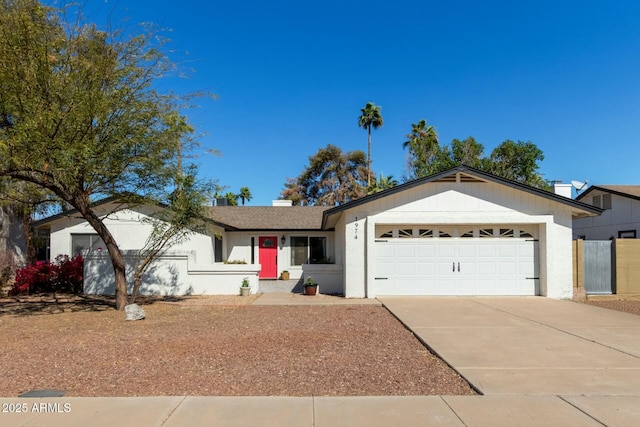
pixel 174 273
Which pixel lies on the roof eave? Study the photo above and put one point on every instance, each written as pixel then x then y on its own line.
pixel 588 210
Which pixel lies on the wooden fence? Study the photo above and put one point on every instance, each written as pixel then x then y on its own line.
pixel 625 267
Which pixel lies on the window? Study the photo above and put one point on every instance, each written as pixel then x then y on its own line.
pixel 443 233
pixel 507 232
pixel 485 232
pixel 308 250
pixel 602 201
pixel 526 234
pixel 81 242
pixel 405 232
pixel 627 234
pixel 425 233
pixel 386 233
pixel 468 233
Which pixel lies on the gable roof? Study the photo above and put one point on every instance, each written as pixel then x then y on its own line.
pixel 252 218
pixel 464 173
pixel 630 191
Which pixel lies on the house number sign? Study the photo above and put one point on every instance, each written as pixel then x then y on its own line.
pixel 355 230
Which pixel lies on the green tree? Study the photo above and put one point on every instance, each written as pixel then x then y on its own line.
pixel 425 154
pixel 518 161
pixel 81 117
pixel 467 152
pixel 245 194
pixel 382 182
pixel 333 177
pixel 232 198
pixel 370 117
pixel 184 214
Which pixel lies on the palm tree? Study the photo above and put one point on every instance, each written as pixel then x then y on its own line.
pixel 232 198
pixel 370 117
pixel 424 148
pixel 382 183
pixel 245 194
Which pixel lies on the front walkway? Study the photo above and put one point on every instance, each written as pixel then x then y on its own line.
pixel 292 298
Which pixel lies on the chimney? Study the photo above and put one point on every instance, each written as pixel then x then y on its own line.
pixel 281 203
pixel 561 189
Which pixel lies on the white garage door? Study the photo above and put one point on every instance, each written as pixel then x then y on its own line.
pixel 456 261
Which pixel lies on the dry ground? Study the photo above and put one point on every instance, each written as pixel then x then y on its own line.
pixel 213 346
pixel 630 306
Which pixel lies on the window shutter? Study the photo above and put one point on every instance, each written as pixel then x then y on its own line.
pixel 597 201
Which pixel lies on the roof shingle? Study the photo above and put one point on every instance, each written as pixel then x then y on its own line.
pixel 268 217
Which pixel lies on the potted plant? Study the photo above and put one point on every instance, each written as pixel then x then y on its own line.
pixel 245 288
pixel 310 286
pixel 284 275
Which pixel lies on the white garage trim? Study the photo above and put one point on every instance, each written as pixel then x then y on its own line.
pixel 456 260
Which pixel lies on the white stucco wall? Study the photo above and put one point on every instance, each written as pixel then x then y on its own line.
pixel 460 204
pixel 129 232
pixel 355 261
pixel 238 247
pixel 175 273
pixel 623 215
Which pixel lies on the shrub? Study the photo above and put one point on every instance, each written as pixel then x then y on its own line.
pixel 64 275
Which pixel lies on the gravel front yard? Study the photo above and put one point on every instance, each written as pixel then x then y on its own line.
pixel 215 347
pixel 630 306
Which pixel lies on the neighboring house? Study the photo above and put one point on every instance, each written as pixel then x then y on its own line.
pixel 621 216
pixel 459 232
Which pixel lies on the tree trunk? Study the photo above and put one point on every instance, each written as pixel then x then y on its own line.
pixel 28 237
pixel 369 156
pixel 117 259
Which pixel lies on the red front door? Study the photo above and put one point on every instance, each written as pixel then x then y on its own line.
pixel 268 256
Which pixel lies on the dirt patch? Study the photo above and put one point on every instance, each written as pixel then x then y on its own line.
pixel 214 347
pixel 629 306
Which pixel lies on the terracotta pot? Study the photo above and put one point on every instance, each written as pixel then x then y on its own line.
pixel 284 275
pixel 310 289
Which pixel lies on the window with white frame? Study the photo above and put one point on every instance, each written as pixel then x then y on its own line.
pixel 308 250
pixel 81 242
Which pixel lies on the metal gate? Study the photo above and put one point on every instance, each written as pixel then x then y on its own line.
pixel 597 267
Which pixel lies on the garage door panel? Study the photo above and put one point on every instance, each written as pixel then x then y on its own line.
pixel 502 265
pixel 426 250
pixel 467 250
pixel 486 250
pixel 507 268
pixel 405 251
pixel 426 268
pixel 445 248
pixel 486 268
pixel 406 269
pixel 506 250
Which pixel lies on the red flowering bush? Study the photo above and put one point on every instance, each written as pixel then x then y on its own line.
pixel 64 275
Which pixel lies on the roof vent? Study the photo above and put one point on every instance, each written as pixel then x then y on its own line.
pixel 281 203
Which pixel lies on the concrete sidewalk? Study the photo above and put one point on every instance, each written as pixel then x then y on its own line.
pixel 490 411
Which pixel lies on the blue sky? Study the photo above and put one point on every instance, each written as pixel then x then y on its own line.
pixel 292 76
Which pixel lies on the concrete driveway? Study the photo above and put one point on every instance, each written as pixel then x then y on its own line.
pixel 529 345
